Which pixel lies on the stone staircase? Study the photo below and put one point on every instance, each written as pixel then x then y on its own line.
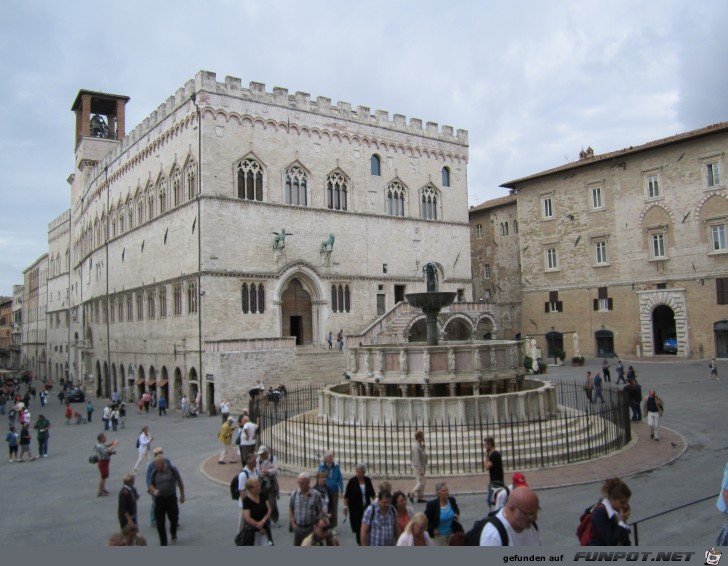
pixel 314 365
pixel 302 441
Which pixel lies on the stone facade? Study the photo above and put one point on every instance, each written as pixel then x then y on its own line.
pixel 495 259
pixel 16 348
pixel 173 230
pixel 6 330
pixel 34 351
pixel 628 249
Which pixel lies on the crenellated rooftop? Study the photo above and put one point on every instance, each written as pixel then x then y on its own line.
pixel 55 223
pixel 206 81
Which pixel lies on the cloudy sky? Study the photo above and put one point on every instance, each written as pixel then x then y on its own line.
pixel 532 81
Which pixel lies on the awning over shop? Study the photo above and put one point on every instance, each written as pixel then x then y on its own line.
pixel 163 382
pixel 151 382
pixel 139 381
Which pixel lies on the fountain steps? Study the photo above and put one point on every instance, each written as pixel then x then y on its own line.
pixel 523 447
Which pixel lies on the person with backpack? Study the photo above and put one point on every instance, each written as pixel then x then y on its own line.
pixel 605 524
pixel 501 492
pixel 515 524
pixel 379 524
pixel 248 472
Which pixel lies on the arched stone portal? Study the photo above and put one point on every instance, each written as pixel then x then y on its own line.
pixel 297 313
pixel 458 327
pixel 655 334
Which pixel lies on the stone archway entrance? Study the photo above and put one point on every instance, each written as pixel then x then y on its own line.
pixel 297 313
pixel 663 327
pixel 657 324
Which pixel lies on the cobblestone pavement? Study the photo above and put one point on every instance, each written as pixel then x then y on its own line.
pixel 57 496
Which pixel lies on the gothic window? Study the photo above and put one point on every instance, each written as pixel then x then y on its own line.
pixel 162 191
pixel 130 214
pixel 253 297
pixel 337 191
pixel 162 302
pixel 112 310
pixel 129 308
pixel 376 165
pixel 340 298
pixel 191 298
pixel 150 202
pixel 121 309
pixel 250 180
pixel 429 203
pixel 191 179
pixel 177 300
pixel 140 305
pixel 151 307
pixel 177 187
pixel 445 176
pixel 112 215
pixel 295 189
pixel 121 221
pixel 140 210
pixel 395 199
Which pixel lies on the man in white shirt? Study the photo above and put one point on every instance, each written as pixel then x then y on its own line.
pixel 247 473
pixel 518 518
pixel 247 438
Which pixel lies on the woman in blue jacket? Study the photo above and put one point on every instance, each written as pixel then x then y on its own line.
pixel 335 484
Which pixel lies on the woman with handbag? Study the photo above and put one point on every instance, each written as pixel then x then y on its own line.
pixel 256 515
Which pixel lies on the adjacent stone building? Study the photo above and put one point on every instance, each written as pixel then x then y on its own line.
pixel 6 331
pixel 234 224
pixel 495 260
pixel 34 317
pixel 627 250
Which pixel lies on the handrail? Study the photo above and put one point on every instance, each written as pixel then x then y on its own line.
pixel 635 523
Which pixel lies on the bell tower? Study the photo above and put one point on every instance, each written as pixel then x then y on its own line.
pixel 99 115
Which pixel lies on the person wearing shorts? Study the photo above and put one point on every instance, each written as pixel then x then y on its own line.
pixel 104 452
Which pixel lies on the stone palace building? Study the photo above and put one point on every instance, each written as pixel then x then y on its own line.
pixel 234 224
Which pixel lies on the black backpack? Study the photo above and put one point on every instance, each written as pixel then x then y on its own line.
pixel 234 491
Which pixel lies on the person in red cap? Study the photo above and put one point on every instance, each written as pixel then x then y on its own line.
pixel 501 493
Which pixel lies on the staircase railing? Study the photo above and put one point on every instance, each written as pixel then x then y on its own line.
pixel 635 524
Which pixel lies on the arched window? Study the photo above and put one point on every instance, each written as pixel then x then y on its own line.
pixel 162 191
pixel 340 298
pixel 376 165
pixel 250 180
pixel 253 298
pixel 515 226
pixel 506 226
pixel 429 203
pixel 261 298
pixel 296 184
pixel 140 209
pixel 191 298
pixel 130 214
pixel 191 179
pixel 150 201
pixel 337 189
pixel 395 199
pixel 177 187
pixel 445 176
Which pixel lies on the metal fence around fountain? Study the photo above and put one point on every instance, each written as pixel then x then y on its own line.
pixel 300 437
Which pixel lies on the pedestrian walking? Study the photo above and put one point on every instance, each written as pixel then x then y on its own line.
pixel 163 485
pixel 605 371
pixel 493 463
pixel 722 505
pixel 13 439
pixel 89 410
pixel 330 340
pixel 304 508
pixel 443 514
pixel 653 408
pixel 358 495
pixel 517 520
pixel 598 388
pixel 713 369
pixel 379 524
pixel 620 372
pixel 340 340
pixel 106 417
pixel 144 448
pixel 335 483
pixel 224 410
pixel 127 508
pixel 25 440
pixel 609 517
pixel 589 386
pixel 225 438
pixel 162 406
pixel 418 457
pixel 267 469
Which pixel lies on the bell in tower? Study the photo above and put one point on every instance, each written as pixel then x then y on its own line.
pixel 99 115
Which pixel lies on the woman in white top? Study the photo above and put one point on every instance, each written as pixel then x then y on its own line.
pixel 415 533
